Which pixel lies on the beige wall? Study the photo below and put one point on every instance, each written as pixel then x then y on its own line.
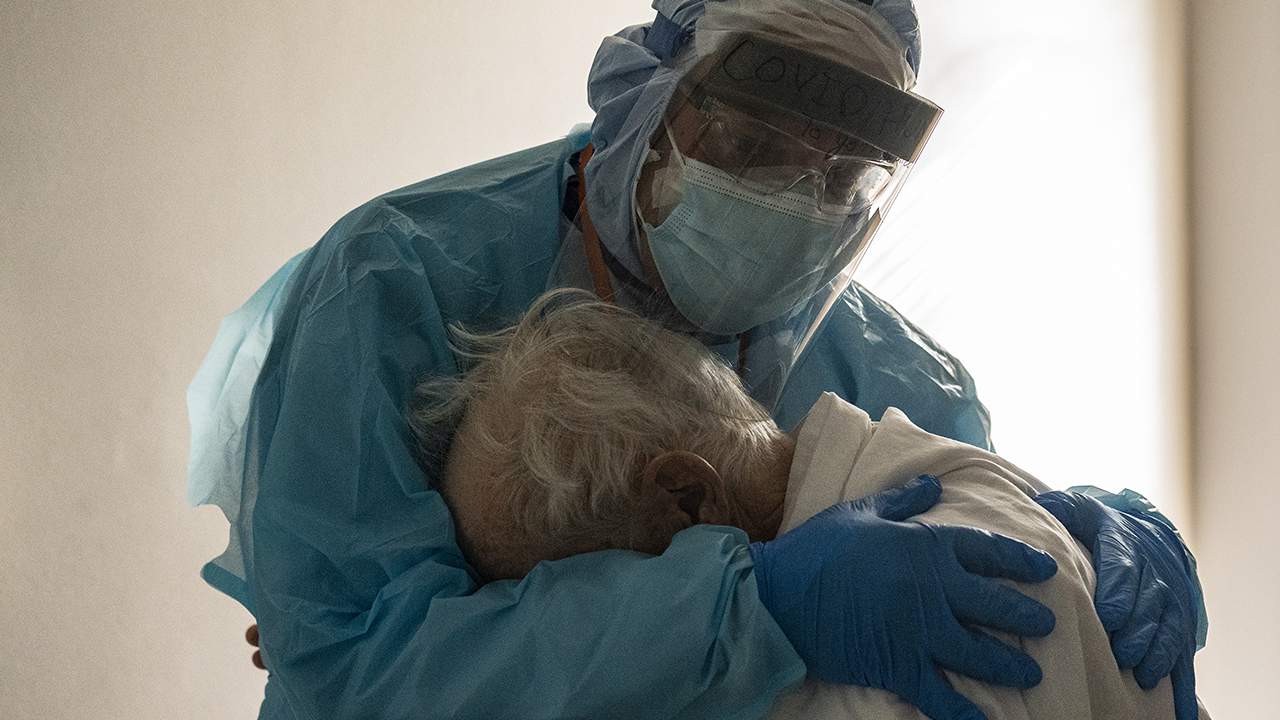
pixel 1041 237
pixel 1235 98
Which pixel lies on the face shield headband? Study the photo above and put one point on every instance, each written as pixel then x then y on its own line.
pixel 821 97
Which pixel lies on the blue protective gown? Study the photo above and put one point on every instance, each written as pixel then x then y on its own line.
pixel 348 560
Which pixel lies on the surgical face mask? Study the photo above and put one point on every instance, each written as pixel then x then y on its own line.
pixel 732 257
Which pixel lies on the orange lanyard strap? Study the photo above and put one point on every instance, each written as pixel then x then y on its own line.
pixel 590 240
pixel 595 253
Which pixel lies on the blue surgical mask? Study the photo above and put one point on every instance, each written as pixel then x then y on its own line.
pixel 732 258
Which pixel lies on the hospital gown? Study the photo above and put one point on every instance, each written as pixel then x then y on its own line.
pixel 348 559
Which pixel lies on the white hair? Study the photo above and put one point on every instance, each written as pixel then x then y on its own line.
pixel 589 393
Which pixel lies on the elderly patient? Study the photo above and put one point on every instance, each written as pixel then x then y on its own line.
pixel 587 428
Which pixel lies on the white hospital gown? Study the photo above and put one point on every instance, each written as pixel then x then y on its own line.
pixel 858 458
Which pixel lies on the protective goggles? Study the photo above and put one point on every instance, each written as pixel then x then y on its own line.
pixel 844 174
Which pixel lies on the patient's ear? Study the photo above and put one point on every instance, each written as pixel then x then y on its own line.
pixel 687 488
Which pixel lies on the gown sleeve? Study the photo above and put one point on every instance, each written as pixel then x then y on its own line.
pixel 365 604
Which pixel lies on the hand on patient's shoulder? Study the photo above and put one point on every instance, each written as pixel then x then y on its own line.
pixel 845 455
pixel 1145 596
pixel 900 596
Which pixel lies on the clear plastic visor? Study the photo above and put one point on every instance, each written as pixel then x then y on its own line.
pixel 783 146
pixel 769 173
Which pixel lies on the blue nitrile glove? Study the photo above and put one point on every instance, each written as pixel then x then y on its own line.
pixel 1145 595
pixel 868 599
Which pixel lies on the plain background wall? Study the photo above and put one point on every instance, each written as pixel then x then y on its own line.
pixel 1235 100
pixel 1041 239
pixel 158 161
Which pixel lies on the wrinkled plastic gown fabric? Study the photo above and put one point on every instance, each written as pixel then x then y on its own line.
pixel 348 559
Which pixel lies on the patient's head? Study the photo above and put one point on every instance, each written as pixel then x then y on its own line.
pixel 586 427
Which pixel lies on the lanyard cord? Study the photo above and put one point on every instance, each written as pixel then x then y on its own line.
pixel 590 240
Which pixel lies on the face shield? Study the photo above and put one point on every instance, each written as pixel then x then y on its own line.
pixel 772 170
pixel 762 154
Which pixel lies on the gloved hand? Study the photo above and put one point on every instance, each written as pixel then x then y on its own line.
pixel 1144 595
pixel 867 599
